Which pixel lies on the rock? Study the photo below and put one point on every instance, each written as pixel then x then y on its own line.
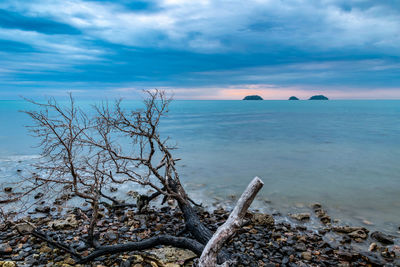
pixel 133 194
pixel 263 219
pixel 366 222
pixel 348 229
pixel 171 255
pixel 300 247
pixel 372 247
pixel 69 222
pixel 9 264
pixel 359 233
pixel 111 236
pixel 5 249
pixel 45 249
pixel 253 97
pixel 43 209
pixel 8 189
pixel 38 195
pixel 306 255
pixel 382 238
pixel 301 216
pixel 24 228
pixel 69 261
pixel 318 97
pixel 293 98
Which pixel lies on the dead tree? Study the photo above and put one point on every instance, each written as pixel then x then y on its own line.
pixel 116 146
pixel 149 160
pixel 67 164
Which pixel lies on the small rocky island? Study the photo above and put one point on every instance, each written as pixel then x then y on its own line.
pixel 293 98
pixel 253 97
pixel 318 97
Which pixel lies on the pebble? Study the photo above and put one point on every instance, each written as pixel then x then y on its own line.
pixel 382 238
pixel 261 240
pixel 306 255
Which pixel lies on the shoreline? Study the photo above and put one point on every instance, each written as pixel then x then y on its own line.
pixel 264 240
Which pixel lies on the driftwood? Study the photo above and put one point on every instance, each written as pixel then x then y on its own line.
pixel 233 223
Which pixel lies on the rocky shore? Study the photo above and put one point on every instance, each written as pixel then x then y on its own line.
pixel 261 242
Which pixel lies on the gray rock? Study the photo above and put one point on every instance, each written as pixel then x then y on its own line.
pixel 301 216
pixel 382 238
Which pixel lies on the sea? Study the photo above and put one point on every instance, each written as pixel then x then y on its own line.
pixel 344 154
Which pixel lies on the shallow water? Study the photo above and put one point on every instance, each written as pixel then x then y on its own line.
pixel 343 154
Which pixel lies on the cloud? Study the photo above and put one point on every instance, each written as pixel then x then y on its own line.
pixel 199 44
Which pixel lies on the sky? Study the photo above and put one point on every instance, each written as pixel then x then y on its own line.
pixel 200 49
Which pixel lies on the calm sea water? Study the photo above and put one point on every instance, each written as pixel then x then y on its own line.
pixel 343 154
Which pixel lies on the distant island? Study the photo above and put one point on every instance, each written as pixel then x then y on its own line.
pixel 253 97
pixel 293 98
pixel 318 97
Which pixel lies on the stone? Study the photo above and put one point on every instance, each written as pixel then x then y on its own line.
pixel 9 264
pixel 38 195
pixel 348 229
pixel 372 247
pixel 69 222
pixel 253 97
pixel 24 228
pixel 318 97
pixel 111 236
pixel 300 247
pixel 263 219
pixel 171 255
pixel 301 216
pixel 45 249
pixel 359 233
pixel 382 238
pixel 306 255
pixel 43 209
pixel 69 261
pixel 5 249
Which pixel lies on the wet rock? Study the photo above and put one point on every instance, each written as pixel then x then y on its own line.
pixel 24 228
pixel 8 189
pixel 5 249
pixel 69 261
pixel 69 222
pixel 38 195
pixel 359 233
pixel 301 216
pixel 372 258
pixel 300 247
pixel 111 236
pixel 306 255
pixel 9 264
pixel 263 219
pixel 348 229
pixel 382 238
pixel 344 255
pixel 43 209
pixel 171 255
pixel 45 249
pixel 372 247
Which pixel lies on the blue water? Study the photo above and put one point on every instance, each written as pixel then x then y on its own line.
pixel 343 154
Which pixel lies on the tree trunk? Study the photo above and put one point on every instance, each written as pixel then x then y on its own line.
pixel 231 226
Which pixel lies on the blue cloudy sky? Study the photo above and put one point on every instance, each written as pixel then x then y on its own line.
pixel 201 49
